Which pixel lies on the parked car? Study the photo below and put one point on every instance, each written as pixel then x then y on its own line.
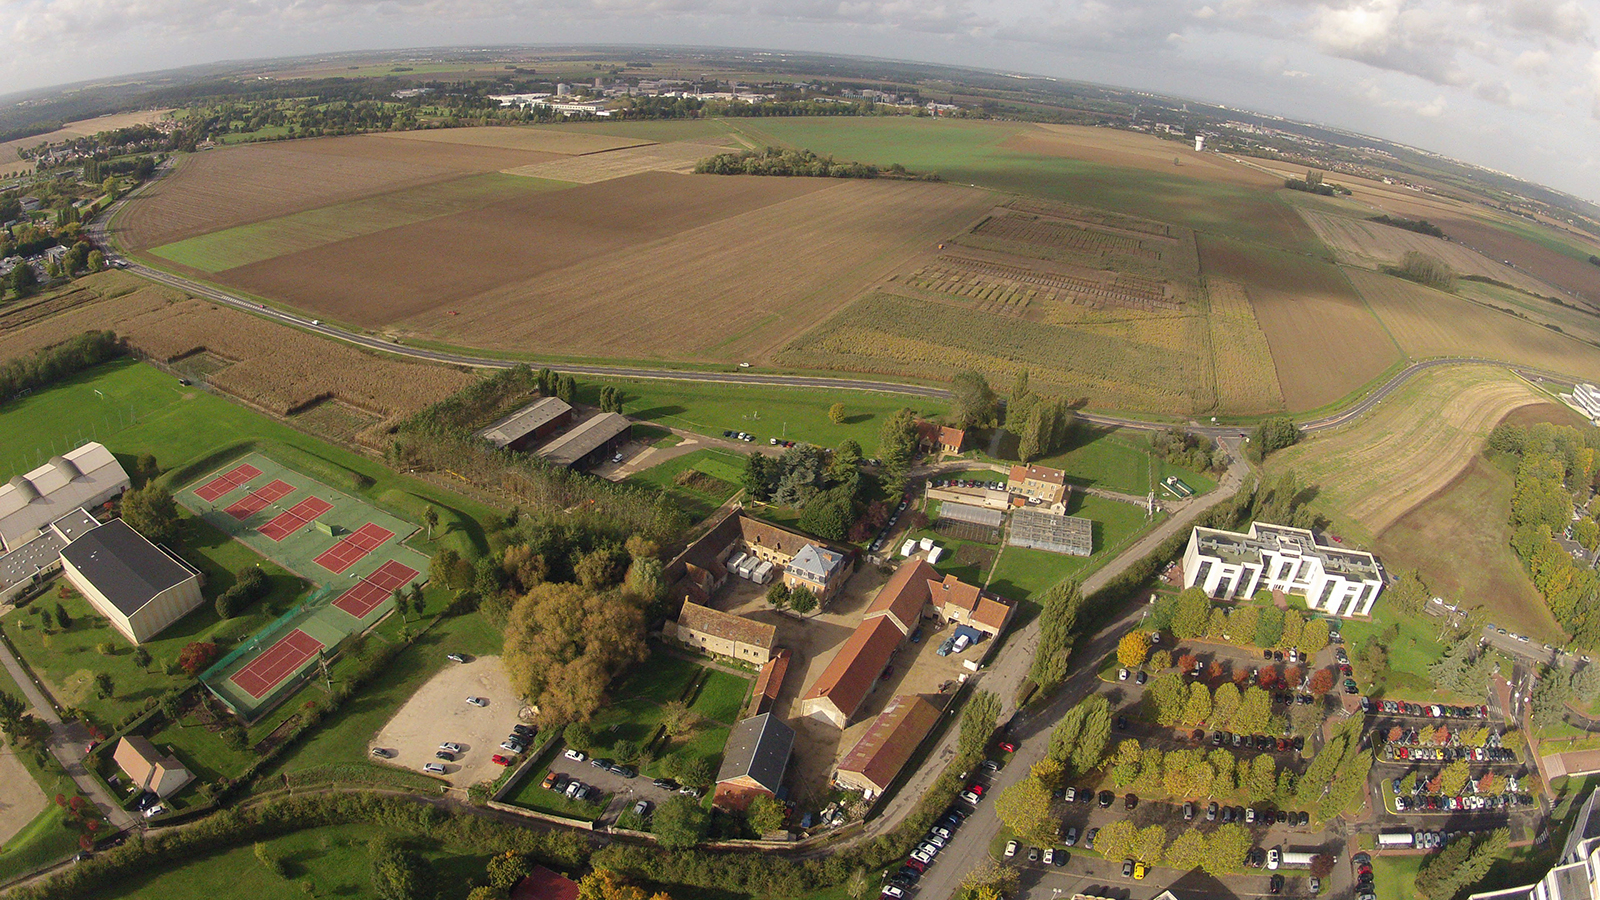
pixel 1106 798
pixel 1088 838
pixel 549 780
pixel 383 752
pixel 455 657
pixel 574 755
pixel 445 755
pixel 500 760
pixel 430 768
pixel 970 797
pixel 450 747
pixel 1127 868
pixel 642 808
pixel 1071 837
pixel 478 701
pixel 1130 801
pixel 524 731
pixel 512 746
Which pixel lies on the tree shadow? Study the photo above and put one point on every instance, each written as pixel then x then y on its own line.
pixel 658 412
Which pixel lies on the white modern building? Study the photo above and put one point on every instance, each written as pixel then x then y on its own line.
pixel 85 477
pixel 1585 398
pixel 1227 564
pixel 1576 876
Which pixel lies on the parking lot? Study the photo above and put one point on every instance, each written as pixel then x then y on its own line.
pixel 439 712
pixel 625 791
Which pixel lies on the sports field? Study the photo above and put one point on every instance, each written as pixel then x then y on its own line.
pixel 353 550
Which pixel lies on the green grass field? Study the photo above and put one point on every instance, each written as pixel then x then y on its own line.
pixel 134 408
pixel 721 697
pixel 258 241
pixel 700 499
pixel 319 862
pixel 1119 461
pixel 766 412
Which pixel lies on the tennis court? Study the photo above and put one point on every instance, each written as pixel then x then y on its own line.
pixel 294 518
pixel 349 551
pixel 223 484
pixel 375 588
pixel 276 664
pixel 260 499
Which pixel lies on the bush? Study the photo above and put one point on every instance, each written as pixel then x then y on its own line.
pixel 1426 270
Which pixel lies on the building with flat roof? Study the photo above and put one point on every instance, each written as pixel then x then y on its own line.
pixel 726 634
pixel 753 761
pixel 875 760
pixel 529 425
pixel 1041 483
pixel 1041 529
pixel 30 563
pixel 1585 398
pixel 1226 564
pixel 140 587
pixel 160 774
pixel 1576 875
pixel 85 477
pixel 590 442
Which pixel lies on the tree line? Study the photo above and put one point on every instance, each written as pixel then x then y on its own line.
pixel 797 163
pixel 1420 226
pixel 54 364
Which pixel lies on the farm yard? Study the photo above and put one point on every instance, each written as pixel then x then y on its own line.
pixel 11 163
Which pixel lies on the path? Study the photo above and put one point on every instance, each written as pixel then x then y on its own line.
pixel 1006 674
pixel 67 742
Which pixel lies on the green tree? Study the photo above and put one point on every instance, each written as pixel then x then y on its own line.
pixel 802 600
pixel 1453 778
pixel 836 414
pixel 974 404
pixel 1271 435
pixel 1057 624
pixel 778 595
pixel 765 814
pixel 1254 711
pixel 1262 781
pixel 1090 752
pixel 24 280
pixel 1165 697
pixel 1190 618
pixel 978 722
pixel 1125 764
pixel 430 518
pixel 897 444
pixel 1117 840
pixel 1150 844
pixel 151 511
pixel 1226 848
pixel 680 823
pixel 1025 808
pixel 1313 637
pixel 579 736
pixel 397 874
pixel 95 261
pixel 1224 704
pixel 506 869
pixel 1188 851
pixel 1197 708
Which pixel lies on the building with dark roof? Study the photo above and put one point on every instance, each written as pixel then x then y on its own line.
pixel 726 634
pixel 753 761
pixel 140 587
pixel 837 694
pixel 30 563
pixel 529 425
pixel 590 442
pixel 890 740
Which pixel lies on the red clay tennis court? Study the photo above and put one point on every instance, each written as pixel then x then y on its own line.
pixel 216 488
pixel 276 664
pixel 349 551
pixel 294 518
pixel 375 588
pixel 260 499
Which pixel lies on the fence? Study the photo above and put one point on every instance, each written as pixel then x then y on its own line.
pixel 251 709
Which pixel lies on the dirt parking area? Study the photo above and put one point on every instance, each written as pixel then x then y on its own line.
pixel 20 796
pixel 439 712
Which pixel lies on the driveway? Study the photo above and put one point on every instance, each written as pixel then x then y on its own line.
pixel 439 712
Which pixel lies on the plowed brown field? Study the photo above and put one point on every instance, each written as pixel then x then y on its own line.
pixel 734 289
pixel 223 188
pixel 376 279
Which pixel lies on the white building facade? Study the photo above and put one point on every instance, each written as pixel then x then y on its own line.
pixel 1226 565
pixel 1576 875
pixel 1585 398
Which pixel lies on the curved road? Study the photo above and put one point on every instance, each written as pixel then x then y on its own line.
pixel 101 236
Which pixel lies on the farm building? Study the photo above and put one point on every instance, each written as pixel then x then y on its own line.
pixel 590 443
pixel 837 694
pixel 85 477
pixel 1041 529
pixel 139 587
pixel 28 564
pixel 770 682
pixel 530 425
pixel 1226 564
pixel 890 740
pixel 936 438
pixel 1041 483
pixel 753 761
pixel 964 604
pixel 970 523
pixel 149 769
pixel 904 596
pixel 725 634
pixel 822 570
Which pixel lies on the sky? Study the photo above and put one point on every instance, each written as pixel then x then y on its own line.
pixel 1513 85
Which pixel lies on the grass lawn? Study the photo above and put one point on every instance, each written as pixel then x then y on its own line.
pixel 1395 876
pixel 721 697
pixel 764 411
pixel 720 474
pixel 1411 651
pixel 342 738
pixel 320 862
pixel 133 408
pixel 1119 461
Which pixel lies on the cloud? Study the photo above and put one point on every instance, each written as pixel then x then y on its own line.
pixel 1389 34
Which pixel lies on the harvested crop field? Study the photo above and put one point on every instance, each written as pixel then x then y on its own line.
pixel 1325 342
pixel 277 368
pixel 1113 147
pixel 1413 443
pixel 374 280
pixel 225 188
pixel 698 293
pixel 1569 271
pixel 679 158
pixel 1427 323
pixel 1372 244
pixel 1245 378
pixel 534 139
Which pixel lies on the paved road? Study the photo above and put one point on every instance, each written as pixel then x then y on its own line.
pixel 99 234
pixel 67 742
